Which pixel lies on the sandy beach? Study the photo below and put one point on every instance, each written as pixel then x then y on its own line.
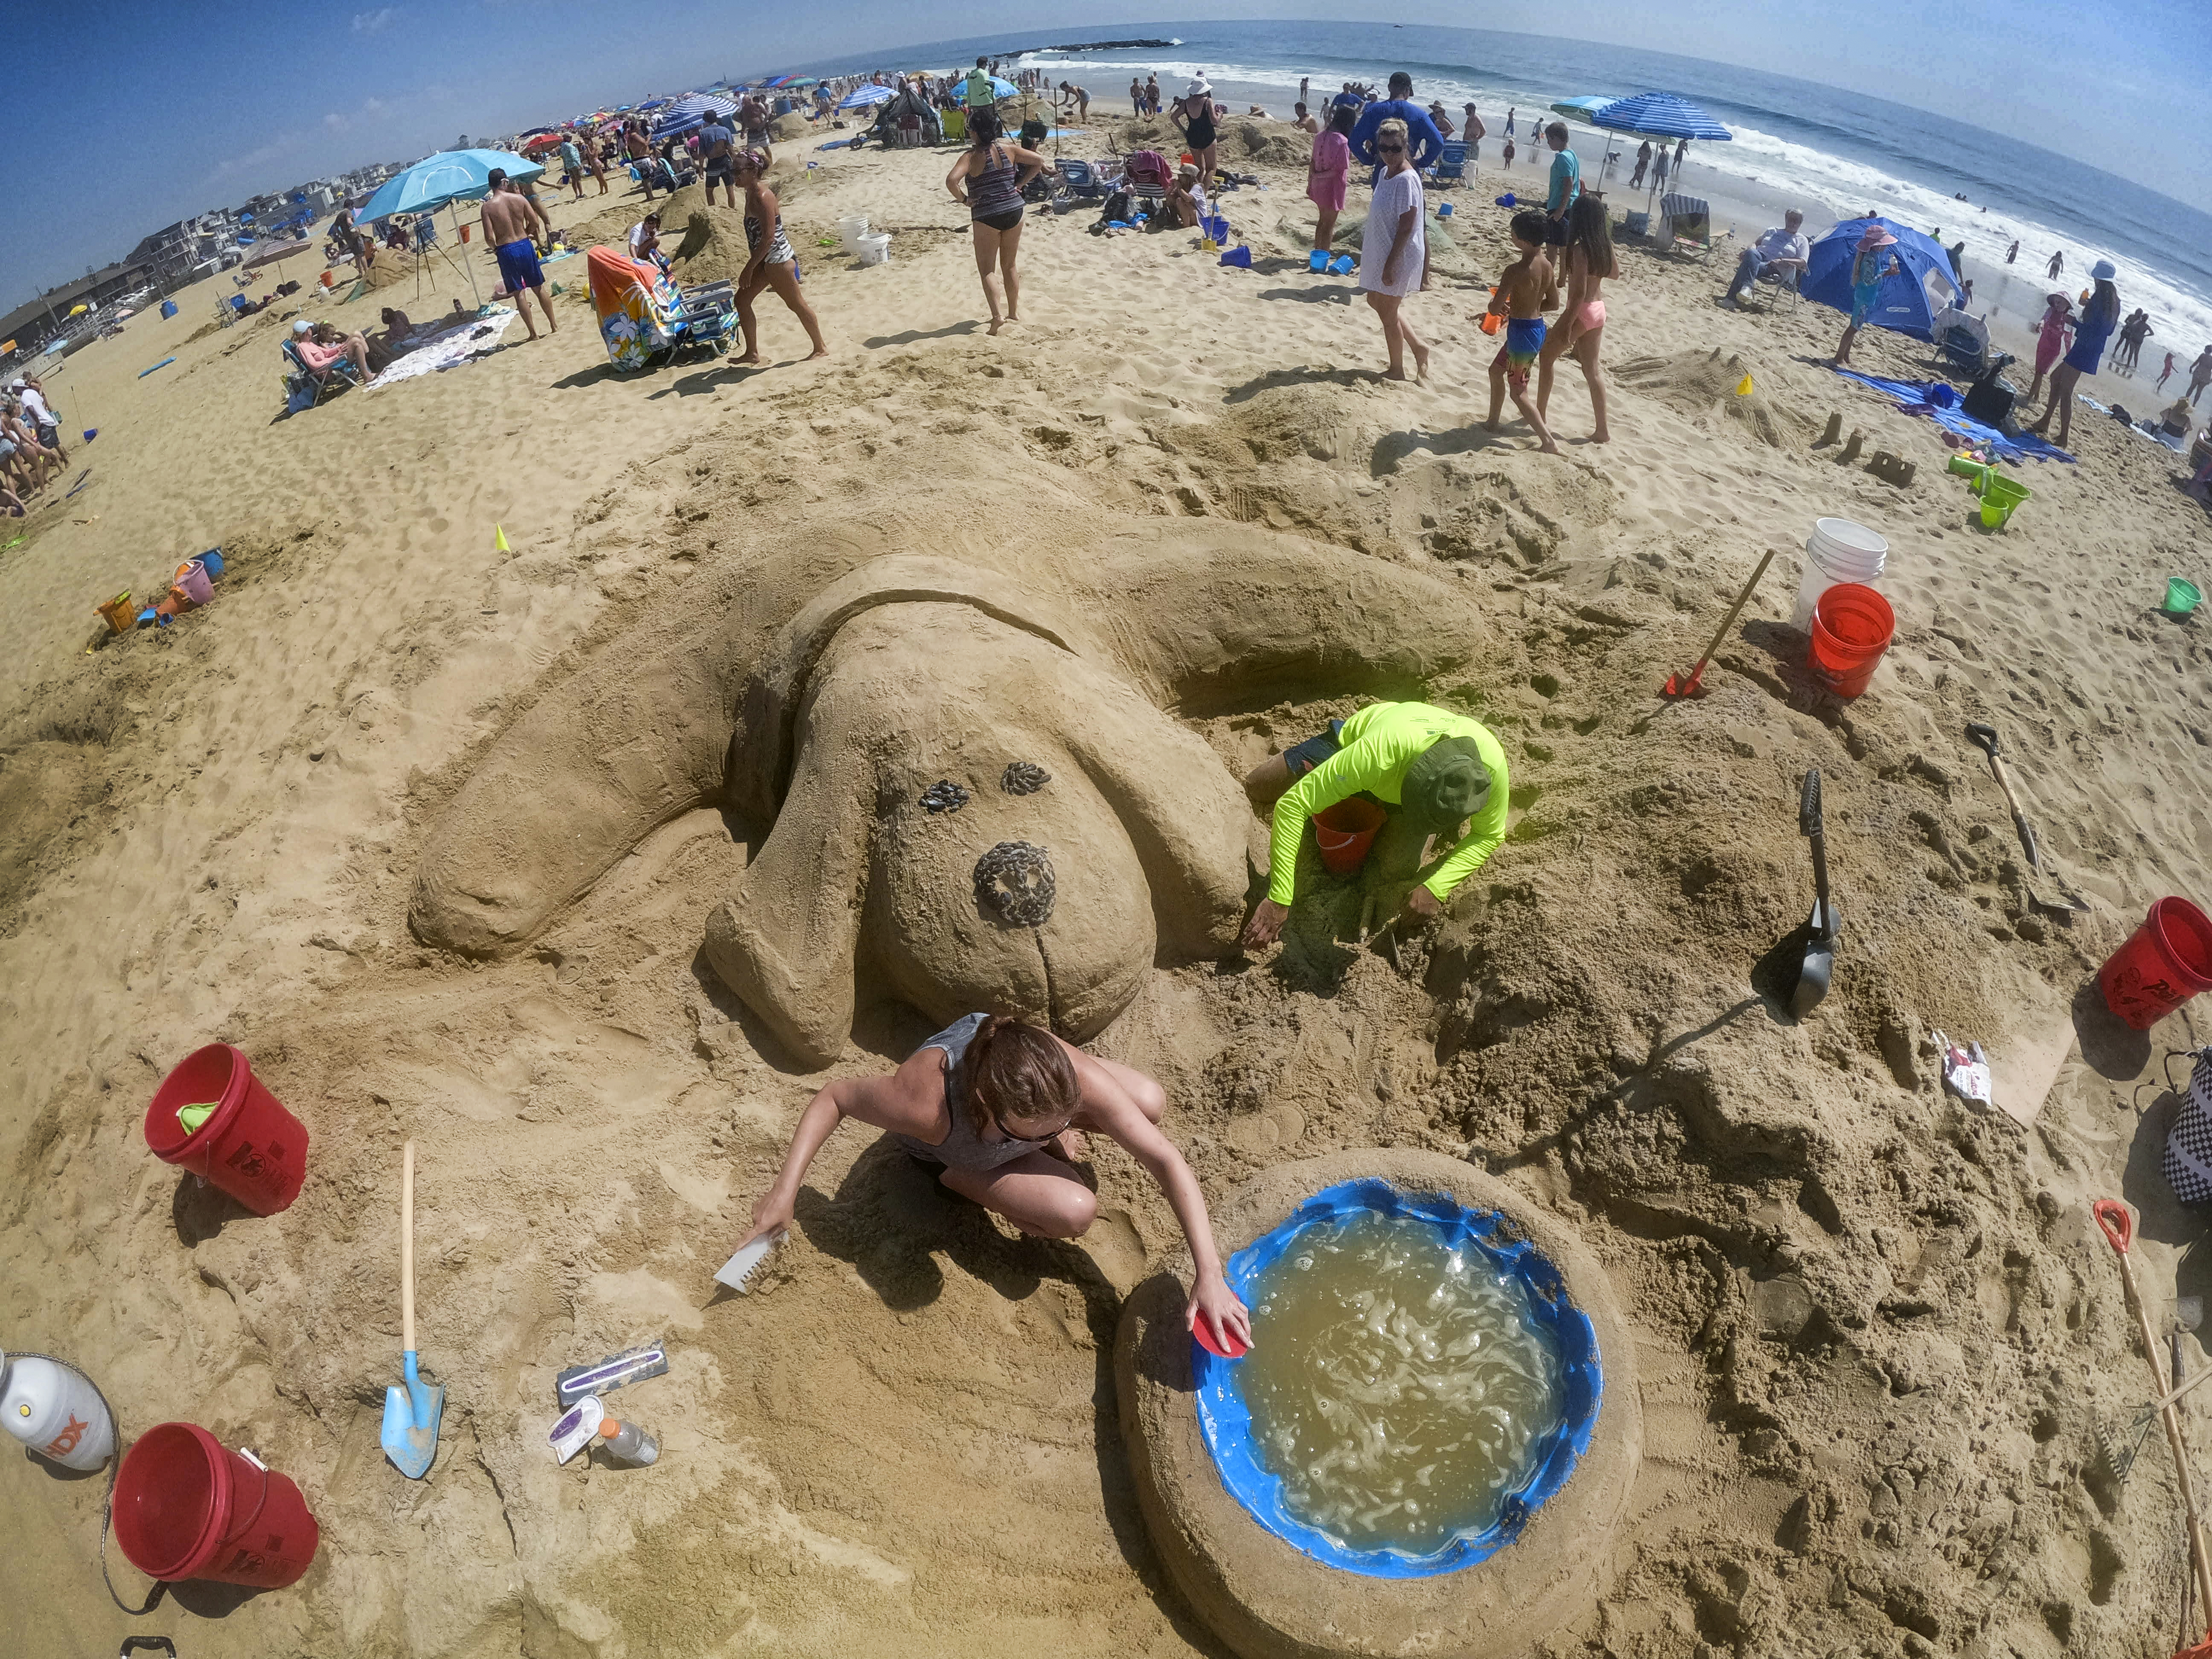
pixel 1877 1332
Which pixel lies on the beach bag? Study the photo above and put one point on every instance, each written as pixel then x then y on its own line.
pixel 1118 206
pixel 1148 169
pixel 2187 1165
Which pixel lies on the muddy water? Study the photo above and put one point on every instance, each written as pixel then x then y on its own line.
pixel 1396 1383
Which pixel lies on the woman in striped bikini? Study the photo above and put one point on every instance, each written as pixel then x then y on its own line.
pixel 987 181
pixel 772 263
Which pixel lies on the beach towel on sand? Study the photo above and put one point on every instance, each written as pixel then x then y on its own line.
pixel 1939 402
pixel 637 306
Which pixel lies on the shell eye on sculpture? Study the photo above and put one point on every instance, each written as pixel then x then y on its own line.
pixel 944 796
pixel 1014 882
pixel 1024 778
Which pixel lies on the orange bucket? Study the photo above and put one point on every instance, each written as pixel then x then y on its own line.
pixel 121 618
pixel 1346 831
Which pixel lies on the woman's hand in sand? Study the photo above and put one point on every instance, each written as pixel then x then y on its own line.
pixel 771 1215
pixel 1211 1300
pixel 1266 924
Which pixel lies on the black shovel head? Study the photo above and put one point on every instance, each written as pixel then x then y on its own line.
pixel 1820 965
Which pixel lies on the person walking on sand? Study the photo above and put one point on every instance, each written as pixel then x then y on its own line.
pixel 998 1109
pixel 2052 336
pixel 1474 132
pixel 987 181
pixel 1136 97
pixel 1192 115
pixel 2058 263
pixel 2164 373
pixel 1438 771
pixel 1151 95
pixel 2133 333
pixel 511 223
pixel 717 158
pixel 572 166
pixel 1328 170
pixel 2200 374
pixel 1527 289
pixel 1643 165
pixel 2099 319
pixel 1590 262
pixel 1395 251
pixel 1871 263
pixel 1566 188
pixel 771 262
pixel 1510 111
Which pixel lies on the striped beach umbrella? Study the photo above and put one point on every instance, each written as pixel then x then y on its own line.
pixel 861 97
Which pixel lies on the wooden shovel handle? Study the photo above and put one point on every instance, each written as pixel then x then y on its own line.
pixel 407 1248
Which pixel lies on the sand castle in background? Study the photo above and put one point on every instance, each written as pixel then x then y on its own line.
pixel 831 713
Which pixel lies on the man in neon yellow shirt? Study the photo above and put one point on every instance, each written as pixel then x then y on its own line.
pixel 978 94
pixel 1440 769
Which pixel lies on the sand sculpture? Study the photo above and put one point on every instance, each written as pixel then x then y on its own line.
pixel 1268 1599
pixel 831 706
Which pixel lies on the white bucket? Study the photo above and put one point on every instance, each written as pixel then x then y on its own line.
pixel 876 250
pixel 1837 550
pixel 852 231
pixel 56 1411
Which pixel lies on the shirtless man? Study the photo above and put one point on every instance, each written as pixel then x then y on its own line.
pixel 509 217
pixel 715 140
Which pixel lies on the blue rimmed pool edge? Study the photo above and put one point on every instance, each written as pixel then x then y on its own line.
pixel 1262 1594
pixel 1225 1420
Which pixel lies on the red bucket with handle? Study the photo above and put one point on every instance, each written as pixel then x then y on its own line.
pixel 186 1506
pixel 1346 831
pixel 249 1144
pixel 2166 962
pixel 1852 626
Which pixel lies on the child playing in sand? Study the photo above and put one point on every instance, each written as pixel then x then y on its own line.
pixel 1509 151
pixel 1525 289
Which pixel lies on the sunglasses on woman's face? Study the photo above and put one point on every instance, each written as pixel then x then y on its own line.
pixel 1391 150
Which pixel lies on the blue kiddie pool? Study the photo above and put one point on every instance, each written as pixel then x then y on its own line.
pixel 1507 1283
pixel 1432 1440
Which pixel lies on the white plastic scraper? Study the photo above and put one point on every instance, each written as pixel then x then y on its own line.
pixel 740 1268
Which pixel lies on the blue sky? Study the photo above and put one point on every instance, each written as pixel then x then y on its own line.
pixel 145 112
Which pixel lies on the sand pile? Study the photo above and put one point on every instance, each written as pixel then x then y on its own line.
pixel 790 129
pixel 1263 143
pixel 1875 1332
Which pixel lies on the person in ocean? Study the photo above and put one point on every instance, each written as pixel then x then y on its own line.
pixel 1590 262
pixel 2099 319
pixel 997 1108
pixel 1871 263
pixel 1526 289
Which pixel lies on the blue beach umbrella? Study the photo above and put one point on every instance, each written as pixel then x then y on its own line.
pixel 436 181
pixel 1905 303
pixel 1659 115
pixel 1001 88
pixel 861 97
pixel 452 175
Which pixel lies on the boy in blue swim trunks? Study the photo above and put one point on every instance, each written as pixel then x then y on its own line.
pixel 512 222
pixel 1528 286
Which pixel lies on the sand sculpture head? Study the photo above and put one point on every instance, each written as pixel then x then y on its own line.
pixel 900 726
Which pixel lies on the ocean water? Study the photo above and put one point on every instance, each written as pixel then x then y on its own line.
pixel 1836 154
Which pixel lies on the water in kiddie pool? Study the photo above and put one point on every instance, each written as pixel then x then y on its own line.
pixel 1397 1383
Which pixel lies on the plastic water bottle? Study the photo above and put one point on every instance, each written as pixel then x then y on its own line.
pixel 54 1410
pixel 626 1443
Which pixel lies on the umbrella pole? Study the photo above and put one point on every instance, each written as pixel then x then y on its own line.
pixel 466 264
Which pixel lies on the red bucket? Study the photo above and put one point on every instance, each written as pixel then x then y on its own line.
pixel 2166 962
pixel 1852 626
pixel 188 1507
pixel 249 1145
pixel 1346 831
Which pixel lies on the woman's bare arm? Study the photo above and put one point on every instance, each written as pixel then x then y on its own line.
pixel 958 177
pixel 911 1100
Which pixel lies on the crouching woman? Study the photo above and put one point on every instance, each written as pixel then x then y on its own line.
pixel 997 1108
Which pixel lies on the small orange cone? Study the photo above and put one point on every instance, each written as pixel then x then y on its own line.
pixel 499 539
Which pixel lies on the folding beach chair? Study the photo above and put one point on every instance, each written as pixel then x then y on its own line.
pixel 1451 167
pixel 1082 182
pixel 305 390
pixel 708 316
pixel 953 124
pixel 1685 219
pixel 1779 283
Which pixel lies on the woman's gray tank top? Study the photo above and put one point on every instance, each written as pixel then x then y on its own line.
pixel 962 1148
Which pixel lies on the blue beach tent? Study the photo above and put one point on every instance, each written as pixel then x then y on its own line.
pixel 1906 302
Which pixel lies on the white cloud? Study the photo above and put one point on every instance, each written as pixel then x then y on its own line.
pixel 335 122
pixel 372 106
pixel 371 22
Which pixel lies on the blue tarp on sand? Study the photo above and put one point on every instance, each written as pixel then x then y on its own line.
pixel 1940 402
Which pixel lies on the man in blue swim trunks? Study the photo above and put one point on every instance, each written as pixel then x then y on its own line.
pixel 508 220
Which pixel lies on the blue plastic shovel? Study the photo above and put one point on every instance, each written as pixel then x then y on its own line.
pixel 412 1410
